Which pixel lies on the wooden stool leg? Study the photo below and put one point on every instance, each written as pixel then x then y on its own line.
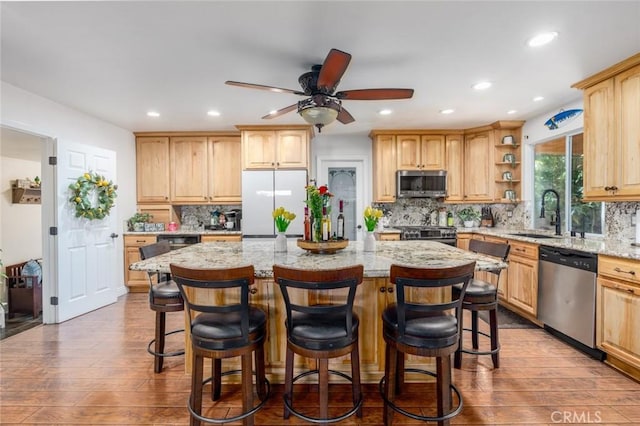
pixel 323 387
pixel 443 383
pixel 390 373
pixel 493 323
pixel 356 388
pixel 196 388
pixel 474 329
pixel 216 378
pixel 247 388
pixel 288 381
pixel 159 346
pixel 261 383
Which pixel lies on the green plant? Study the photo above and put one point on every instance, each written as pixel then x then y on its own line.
pixel 468 214
pixel 139 218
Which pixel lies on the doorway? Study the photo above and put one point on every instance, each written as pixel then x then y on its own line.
pixel 346 182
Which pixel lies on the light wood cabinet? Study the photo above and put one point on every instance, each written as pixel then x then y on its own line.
pixel 220 238
pixel 189 169
pixel 503 279
pixel 225 169
pixel 462 240
pixel 268 147
pixel 478 173
pixel 384 168
pixel 522 277
pixel 612 132
pixel 387 236
pixel 152 169
pixel 507 160
pixel 420 152
pixel 618 311
pixel 454 147
pixel 160 213
pixel 137 281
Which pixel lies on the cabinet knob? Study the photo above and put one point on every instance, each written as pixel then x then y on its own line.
pixel 389 290
pixel 383 289
pixel 607 188
pixel 253 290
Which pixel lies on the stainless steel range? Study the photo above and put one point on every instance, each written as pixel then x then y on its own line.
pixel 441 234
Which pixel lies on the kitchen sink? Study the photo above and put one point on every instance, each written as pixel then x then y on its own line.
pixel 531 235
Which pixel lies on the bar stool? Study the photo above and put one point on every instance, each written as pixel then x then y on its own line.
pixel 482 296
pixel 164 296
pixel 321 330
pixel 223 324
pixel 420 328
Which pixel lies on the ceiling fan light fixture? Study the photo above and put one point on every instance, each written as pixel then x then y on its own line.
pixel 319 110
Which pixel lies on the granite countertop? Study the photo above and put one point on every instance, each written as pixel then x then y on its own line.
pixel 615 248
pixel 260 254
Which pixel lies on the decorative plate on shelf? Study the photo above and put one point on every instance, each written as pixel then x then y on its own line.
pixel 322 247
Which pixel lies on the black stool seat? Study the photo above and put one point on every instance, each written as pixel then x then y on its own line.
pixel 322 332
pixel 220 332
pixel 422 331
pixel 479 291
pixel 164 296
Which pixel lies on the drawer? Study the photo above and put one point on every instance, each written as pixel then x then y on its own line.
pixel 138 240
pixel 518 248
pixel 220 238
pixel 617 267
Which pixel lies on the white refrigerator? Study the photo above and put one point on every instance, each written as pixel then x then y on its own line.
pixel 265 190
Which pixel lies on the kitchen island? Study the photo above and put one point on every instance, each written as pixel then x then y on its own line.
pixel 373 295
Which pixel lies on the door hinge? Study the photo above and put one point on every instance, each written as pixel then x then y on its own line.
pixel 53 230
pixel 53 161
pixel 54 300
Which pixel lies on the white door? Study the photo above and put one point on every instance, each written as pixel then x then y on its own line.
pixel 346 182
pixel 86 249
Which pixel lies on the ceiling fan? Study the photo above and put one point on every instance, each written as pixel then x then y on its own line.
pixel 323 104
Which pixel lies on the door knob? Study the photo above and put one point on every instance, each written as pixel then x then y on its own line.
pixel 113 235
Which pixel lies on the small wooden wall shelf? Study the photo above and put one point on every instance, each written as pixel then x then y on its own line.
pixel 26 195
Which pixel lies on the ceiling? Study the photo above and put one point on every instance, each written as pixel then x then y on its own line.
pixel 118 60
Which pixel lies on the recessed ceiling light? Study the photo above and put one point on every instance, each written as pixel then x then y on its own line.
pixel 482 85
pixel 213 113
pixel 511 111
pixel 153 114
pixel 538 98
pixel 447 111
pixel 384 112
pixel 542 39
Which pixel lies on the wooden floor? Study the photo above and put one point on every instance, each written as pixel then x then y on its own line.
pixel 95 370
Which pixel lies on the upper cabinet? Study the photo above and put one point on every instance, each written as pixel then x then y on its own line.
pixel 454 164
pixel 384 166
pixel 612 132
pixel 478 170
pixel 269 147
pixel 420 152
pixel 189 168
pixel 152 169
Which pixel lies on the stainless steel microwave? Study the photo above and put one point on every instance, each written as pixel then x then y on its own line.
pixel 421 183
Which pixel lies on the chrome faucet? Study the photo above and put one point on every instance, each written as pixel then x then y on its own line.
pixel 544 194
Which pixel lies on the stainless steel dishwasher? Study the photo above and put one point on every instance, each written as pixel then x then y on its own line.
pixel 567 296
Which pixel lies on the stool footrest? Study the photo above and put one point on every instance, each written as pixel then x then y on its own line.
pixel 476 352
pixel 456 410
pixel 302 416
pixel 165 354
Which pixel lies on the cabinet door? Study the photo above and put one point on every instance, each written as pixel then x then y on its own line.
pixel 522 284
pixel 225 170
pixel 259 149
pixel 462 240
pixel 432 152
pixel 292 149
pixel 384 169
pixel 189 169
pixel 455 155
pixel 627 95
pixel 617 319
pixel 152 169
pixel 408 152
pixel 504 274
pixel 220 238
pixel 160 213
pixel 478 173
pixel 599 140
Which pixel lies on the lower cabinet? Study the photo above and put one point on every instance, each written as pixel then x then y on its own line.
pixel 137 281
pixel 387 236
pixel 618 312
pixel 522 277
pixel 220 238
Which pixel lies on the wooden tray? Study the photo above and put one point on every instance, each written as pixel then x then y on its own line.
pixel 324 247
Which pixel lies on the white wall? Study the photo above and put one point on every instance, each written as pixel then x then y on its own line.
pixel 21 223
pixel 22 110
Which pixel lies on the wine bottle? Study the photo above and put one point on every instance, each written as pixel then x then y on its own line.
pixel 307 225
pixel 340 224
pixel 326 225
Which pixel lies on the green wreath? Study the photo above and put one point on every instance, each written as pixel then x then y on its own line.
pixel 84 187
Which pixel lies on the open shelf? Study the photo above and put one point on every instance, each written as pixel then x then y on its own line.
pixel 26 195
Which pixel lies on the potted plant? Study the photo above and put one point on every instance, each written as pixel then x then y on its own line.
pixel 137 221
pixel 469 215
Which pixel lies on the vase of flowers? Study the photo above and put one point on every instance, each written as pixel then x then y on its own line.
pixel 371 218
pixel 318 200
pixel 282 219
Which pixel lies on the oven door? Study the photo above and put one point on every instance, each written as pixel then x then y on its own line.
pixel 177 241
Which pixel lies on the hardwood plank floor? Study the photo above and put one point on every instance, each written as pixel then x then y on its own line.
pixel 95 370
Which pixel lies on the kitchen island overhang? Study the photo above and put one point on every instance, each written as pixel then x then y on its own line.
pixel 373 295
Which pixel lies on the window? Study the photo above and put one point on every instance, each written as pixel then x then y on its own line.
pixel 558 166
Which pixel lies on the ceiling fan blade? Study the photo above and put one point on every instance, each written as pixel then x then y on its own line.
pixel 344 117
pixel 281 111
pixel 375 94
pixel 262 87
pixel 334 66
